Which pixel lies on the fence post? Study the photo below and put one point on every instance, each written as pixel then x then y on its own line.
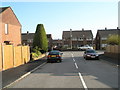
pixel 21 55
pixel 13 56
pixel 28 53
pixel 1 60
pixel 2 57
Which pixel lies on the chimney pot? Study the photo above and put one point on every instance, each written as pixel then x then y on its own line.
pixel 27 32
pixel 82 29
pixel 105 28
pixel 117 27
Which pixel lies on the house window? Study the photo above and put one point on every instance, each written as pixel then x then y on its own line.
pixel 31 40
pixel 7 42
pixel 103 38
pixel 6 28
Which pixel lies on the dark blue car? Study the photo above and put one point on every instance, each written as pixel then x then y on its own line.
pixel 54 56
pixel 91 54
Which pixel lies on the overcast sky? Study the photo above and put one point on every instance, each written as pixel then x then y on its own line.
pixel 61 16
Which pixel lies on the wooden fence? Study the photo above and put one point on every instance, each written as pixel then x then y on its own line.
pixel 113 51
pixel 13 56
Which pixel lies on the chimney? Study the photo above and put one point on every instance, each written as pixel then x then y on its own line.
pixel 82 29
pixel 70 32
pixel 117 28
pixel 27 32
pixel 105 28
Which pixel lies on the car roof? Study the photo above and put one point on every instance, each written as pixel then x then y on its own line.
pixel 90 50
pixel 55 51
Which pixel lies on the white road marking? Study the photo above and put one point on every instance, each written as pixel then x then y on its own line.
pixel 28 73
pixel 83 82
pixel 72 55
pixel 81 78
pixel 76 65
pixel 73 59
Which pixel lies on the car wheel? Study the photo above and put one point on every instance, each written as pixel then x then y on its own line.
pixel 86 58
pixel 60 60
pixel 98 58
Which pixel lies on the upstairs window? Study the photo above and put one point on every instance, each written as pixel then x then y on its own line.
pixel 6 28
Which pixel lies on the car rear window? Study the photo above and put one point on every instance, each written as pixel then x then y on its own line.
pixel 54 53
pixel 90 51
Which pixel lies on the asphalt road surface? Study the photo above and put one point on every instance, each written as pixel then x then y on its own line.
pixel 73 72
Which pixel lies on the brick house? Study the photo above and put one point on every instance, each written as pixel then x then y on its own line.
pixel 10 27
pixel 57 43
pixel 101 37
pixel 27 39
pixel 50 41
pixel 77 38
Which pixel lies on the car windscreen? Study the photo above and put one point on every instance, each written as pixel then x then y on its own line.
pixel 54 53
pixel 90 51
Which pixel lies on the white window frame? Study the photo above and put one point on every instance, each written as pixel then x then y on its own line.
pixel 6 28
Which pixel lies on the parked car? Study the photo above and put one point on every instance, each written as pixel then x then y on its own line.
pixel 91 54
pixel 54 56
pixel 85 47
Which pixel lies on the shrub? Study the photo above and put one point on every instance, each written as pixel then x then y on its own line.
pixel 40 38
pixel 113 40
pixel 36 52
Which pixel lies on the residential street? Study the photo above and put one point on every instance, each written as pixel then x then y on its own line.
pixel 73 72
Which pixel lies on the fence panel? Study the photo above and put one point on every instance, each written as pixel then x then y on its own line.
pixel 28 51
pixel 17 56
pixel 113 49
pixel 107 49
pixel 119 49
pixel 13 56
pixel 8 58
pixel 25 53
pixel 0 57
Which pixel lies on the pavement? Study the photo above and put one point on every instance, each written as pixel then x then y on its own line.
pixel 110 60
pixel 10 75
pixel 74 72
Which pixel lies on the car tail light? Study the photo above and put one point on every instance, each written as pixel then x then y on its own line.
pixel 57 55
pixel 49 56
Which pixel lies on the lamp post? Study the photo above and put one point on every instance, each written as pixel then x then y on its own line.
pixel 71 38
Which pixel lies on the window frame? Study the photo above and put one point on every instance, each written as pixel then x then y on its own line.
pixel 6 29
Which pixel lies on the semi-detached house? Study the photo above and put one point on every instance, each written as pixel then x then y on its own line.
pixel 77 38
pixel 102 35
pixel 10 27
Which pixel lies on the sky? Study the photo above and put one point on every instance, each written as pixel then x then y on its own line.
pixel 63 16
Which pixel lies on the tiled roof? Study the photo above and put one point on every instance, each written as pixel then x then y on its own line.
pixel 78 34
pixel 26 36
pixel 57 39
pixel 106 33
pixel 3 9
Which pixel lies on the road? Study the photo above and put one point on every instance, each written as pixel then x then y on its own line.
pixel 73 72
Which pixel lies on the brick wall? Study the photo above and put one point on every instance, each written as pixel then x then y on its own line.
pixel 14 34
